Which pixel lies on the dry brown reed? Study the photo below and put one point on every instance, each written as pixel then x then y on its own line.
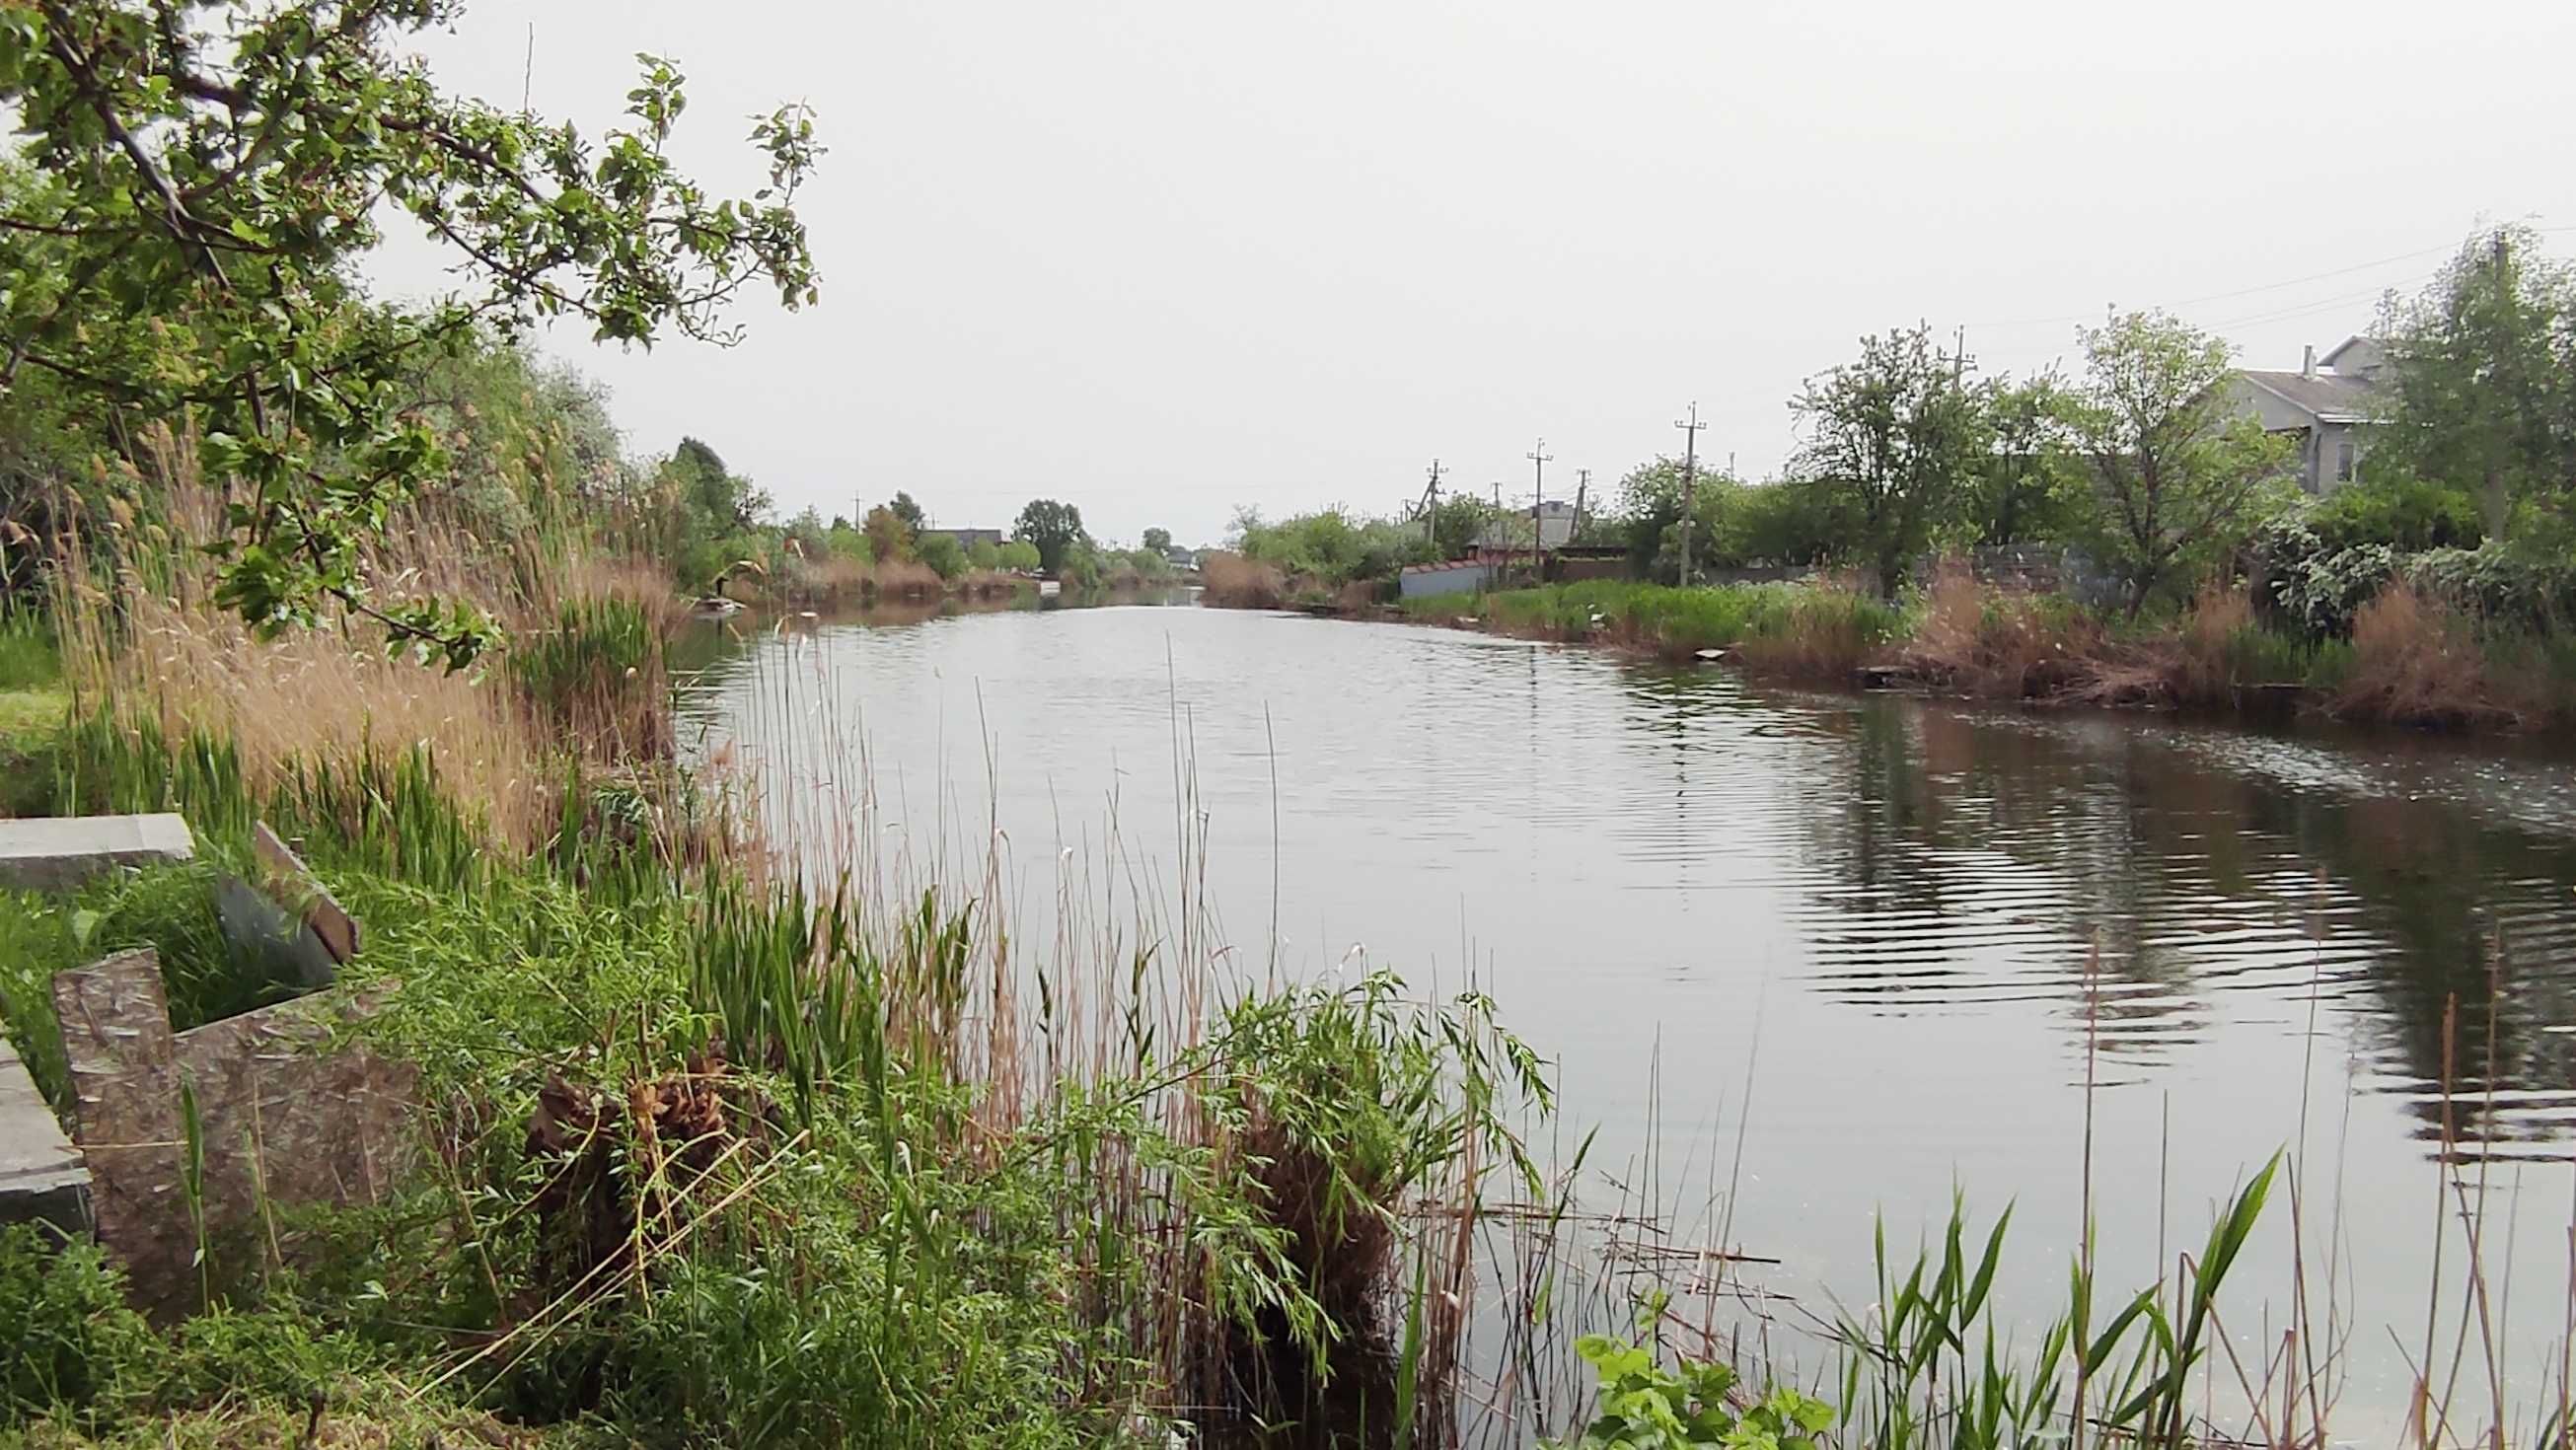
pixel 1235 582
pixel 152 644
pixel 2417 661
pixel 1991 642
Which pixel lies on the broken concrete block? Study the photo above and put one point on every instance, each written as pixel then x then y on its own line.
pixel 54 853
pixel 293 887
pixel 258 930
pixel 41 1174
pixel 282 1120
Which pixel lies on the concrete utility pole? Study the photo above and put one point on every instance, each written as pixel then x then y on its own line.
pixel 1539 459
pixel 1690 427
pixel 1582 485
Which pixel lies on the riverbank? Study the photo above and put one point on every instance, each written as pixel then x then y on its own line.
pixel 709 1156
pixel 2411 660
pixel 714 1142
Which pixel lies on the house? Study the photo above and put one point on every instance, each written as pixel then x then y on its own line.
pixel 2331 403
pixel 969 538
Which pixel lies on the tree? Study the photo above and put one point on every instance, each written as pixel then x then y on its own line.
pixel 905 509
pixel 2178 469
pixel 888 539
pixel 1650 514
pixel 2483 376
pixel 1898 433
pixel 2023 489
pixel 985 555
pixel 1020 556
pixel 1159 540
pixel 721 501
pixel 945 556
pixel 1460 520
pixel 1052 528
pixel 203 180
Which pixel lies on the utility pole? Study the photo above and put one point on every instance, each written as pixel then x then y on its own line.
pixel 1539 459
pixel 1431 507
pixel 1582 484
pixel 1690 427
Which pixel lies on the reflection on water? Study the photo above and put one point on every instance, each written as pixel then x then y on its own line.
pixel 1896 922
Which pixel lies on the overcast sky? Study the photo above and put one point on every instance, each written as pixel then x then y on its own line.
pixel 1161 258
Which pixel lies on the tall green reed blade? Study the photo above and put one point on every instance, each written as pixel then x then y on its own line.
pixel 192 1185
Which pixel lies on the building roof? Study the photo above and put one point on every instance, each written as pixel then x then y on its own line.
pixel 2366 351
pixel 2329 397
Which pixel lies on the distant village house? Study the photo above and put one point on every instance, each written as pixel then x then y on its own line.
pixel 2330 403
pixel 969 538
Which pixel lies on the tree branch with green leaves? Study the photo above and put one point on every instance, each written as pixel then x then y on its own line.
pixel 194 188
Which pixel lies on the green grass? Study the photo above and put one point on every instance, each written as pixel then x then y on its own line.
pixel 29 657
pixel 33 708
pixel 1675 620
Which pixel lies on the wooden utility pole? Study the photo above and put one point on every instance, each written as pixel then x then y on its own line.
pixel 1539 459
pixel 1690 427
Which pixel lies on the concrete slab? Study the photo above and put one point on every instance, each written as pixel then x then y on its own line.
pixel 284 1117
pixel 54 853
pixel 42 1175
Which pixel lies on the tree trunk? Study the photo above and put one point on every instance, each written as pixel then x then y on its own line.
pixel 2492 502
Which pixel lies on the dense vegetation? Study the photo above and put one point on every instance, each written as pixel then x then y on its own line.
pixel 2175 558
pixel 720 1143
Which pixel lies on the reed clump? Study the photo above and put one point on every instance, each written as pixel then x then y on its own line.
pixel 1983 641
pixel 1235 582
pixel 2416 660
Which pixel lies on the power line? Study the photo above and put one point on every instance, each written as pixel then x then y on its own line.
pixel 2324 304
pixel 2270 286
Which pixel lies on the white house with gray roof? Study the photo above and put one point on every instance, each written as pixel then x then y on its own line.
pixel 2331 402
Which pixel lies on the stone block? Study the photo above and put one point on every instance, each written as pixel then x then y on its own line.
pixel 284 1120
pixel 55 853
pixel 41 1173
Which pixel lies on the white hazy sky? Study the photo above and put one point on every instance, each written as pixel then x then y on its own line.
pixel 1161 258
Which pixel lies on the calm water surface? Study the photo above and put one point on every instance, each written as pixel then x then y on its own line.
pixel 1853 929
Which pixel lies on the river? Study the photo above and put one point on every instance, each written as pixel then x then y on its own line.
pixel 1878 940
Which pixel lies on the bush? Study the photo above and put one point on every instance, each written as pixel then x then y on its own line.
pixel 2519 588
pixel 2405 514
pixel 1020 556
pixel 1331 547
pixel 985 556
pixel 945 556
